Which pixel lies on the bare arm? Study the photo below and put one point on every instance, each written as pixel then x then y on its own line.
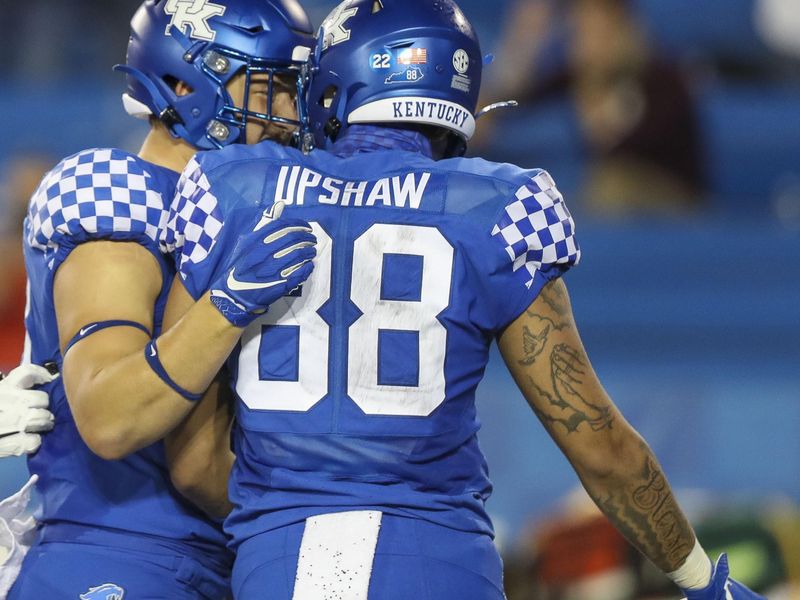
pixel 198 449
pixel 544 353
pixel 120 405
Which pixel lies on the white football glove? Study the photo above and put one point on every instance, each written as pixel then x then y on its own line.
pixel 23 411
pixel 17 534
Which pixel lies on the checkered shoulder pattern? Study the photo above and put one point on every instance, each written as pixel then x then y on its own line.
pixel 96 194
pixel 194 221
pixel 536 229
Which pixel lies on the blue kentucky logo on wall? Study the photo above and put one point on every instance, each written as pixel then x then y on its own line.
pixel 107 591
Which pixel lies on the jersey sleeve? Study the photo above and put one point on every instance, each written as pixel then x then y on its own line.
pixel 194 228
pixel 101 194
pixel 218 197
pixel 534 243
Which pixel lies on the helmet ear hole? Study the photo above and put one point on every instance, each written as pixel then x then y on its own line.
pixel 377 6
pixel 328 96
pixel 181 88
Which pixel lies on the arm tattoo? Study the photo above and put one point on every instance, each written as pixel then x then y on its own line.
pixel 650 518
pixel 532 345
pixel 555 298
pixel 568 369
pixel 643 508
pixel 568 366
pixel 567 405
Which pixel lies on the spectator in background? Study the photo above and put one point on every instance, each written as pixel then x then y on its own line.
pixel 634 108
pixel 20 177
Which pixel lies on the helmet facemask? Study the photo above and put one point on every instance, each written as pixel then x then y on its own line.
pixel 241 42
pixel 231 121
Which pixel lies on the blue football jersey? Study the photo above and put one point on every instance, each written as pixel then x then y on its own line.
pixel 358 391
pixel 102 194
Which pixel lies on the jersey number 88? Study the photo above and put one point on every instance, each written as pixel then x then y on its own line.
pixel 378 317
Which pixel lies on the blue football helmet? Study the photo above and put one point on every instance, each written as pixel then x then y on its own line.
pixel 395 62
pixel 205 43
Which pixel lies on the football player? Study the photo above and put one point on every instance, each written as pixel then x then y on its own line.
pixel 207 74
pixel 358 472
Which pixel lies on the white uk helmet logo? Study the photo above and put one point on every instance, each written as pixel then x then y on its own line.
pixel 461 61
pixel 333 27
pixel 195 15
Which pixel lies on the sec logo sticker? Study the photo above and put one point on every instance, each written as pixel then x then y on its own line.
pixel 461 61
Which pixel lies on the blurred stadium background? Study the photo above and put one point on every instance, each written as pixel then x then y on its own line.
pixel 688 295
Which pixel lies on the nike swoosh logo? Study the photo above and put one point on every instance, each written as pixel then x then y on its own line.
pixel 244 286
pixel 153 351
pixel 86 330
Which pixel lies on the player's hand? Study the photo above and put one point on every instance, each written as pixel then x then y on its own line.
pixel 267 263
pixel 23 410
pixel 722 587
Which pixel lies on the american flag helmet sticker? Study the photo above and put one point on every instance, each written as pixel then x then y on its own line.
pixel 413 56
